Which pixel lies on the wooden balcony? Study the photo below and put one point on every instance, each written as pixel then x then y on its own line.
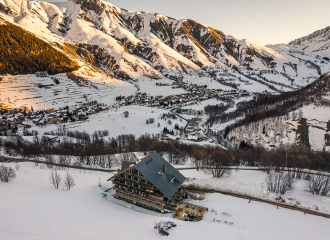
pixel 137 196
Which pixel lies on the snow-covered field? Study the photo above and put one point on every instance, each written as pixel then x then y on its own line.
pixel 23 90
pixel 149 86
pixel 115 122
pixel 252 183
pixel 32 209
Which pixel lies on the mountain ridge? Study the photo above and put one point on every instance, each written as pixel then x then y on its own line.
pixel 317 42
pixel 131 45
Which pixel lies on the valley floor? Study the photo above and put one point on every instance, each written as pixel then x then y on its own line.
pixel 30 208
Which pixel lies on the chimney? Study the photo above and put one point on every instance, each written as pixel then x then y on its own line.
pixel 163 168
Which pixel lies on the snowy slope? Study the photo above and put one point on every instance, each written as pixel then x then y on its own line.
pixel 279 131
pixel 318 42
pixel 23 90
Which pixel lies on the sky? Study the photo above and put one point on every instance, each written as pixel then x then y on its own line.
pixel 261 21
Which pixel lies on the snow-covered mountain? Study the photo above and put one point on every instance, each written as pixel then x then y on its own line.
pixel 318 42
pixel 131 45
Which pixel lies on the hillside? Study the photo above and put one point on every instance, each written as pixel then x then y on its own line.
pixel 299 117
pixel 22 52
pixel 318 42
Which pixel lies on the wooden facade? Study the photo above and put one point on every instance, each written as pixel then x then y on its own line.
pixel 132 186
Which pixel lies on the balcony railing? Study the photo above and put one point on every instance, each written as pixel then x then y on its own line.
pixel 139 196
pixel 146 185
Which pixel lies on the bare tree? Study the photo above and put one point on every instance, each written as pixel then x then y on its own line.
pixel 17 166
pixel 318 184
pixel 110 160
pixel 95 159
pixel 55 179
pixel 102 161
pixel 199 155
pixel 300 114
pixel 49 161
pixel 127 157
pixel 62 160
pixel 279 182
pixel 68 181
pixel 6 173
pixel 179 157
pixel 217 162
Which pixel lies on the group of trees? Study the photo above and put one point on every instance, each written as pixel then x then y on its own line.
pixel 56 180
pixel 101 152
pixel 214 160
pixel 189 111
pixel 296 158
pixel 267 106
pixel 318 184
pixel 299 162
pixel 268 130
pixel 94 150
pixel 279 182
pixel 169 115
pixel 214 110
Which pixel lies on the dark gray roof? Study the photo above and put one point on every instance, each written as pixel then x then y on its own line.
pixel 126 164
pixel 152 168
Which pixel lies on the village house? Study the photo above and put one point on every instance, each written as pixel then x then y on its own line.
pixel 42 74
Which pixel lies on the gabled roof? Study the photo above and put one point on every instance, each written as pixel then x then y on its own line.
pixel 160 173
pixel 126 165
pixel 151 167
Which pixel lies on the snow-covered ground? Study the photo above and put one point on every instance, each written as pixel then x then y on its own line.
pixel 252 183
pixel 23 90
pixel 281 131
pixel 114 121
pixel 32 209
pixel 149 86
pixel 319 113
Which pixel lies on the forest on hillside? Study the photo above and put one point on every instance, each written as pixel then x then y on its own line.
pixel 266 105
pixel 23 53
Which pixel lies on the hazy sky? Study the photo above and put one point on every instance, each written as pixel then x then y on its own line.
pixel 261 21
